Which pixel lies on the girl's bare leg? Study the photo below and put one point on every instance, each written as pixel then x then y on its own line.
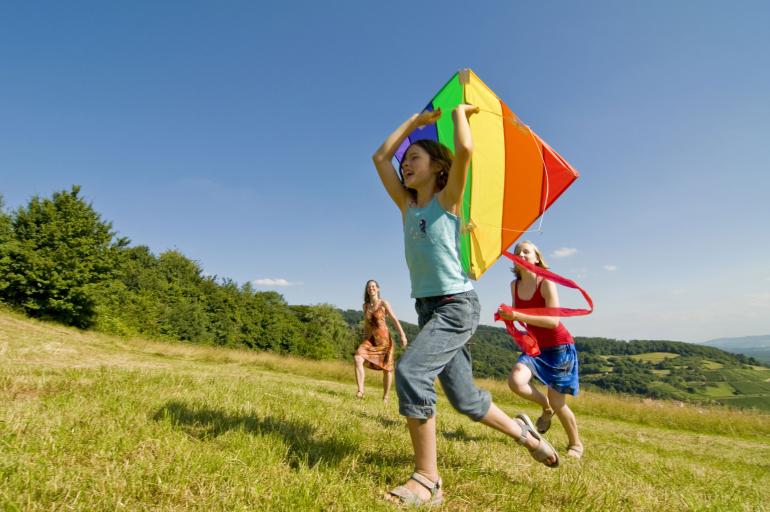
pixel 519 382
pixel 566 416
pixel 423 434
pixel 500 421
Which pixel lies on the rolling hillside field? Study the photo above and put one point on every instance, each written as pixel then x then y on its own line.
pixel 700 379
pixel 96 422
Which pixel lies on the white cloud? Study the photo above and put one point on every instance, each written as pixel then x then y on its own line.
pixel 563 252
pixel 760 300
pixel 274 282
pixel 610 268
pixel 579 273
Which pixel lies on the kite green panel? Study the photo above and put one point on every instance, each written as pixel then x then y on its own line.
pixel 447 99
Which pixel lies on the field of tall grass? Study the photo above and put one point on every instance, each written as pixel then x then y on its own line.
pixel 94 422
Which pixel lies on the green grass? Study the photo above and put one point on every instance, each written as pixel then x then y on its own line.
pixel 755 402
pixel 719 389
pixel 654 357
pixel 92 422
pixel 749 382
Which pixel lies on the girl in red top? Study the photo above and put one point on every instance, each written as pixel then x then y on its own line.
pixel 557 364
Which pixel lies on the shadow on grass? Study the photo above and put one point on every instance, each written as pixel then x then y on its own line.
pixel 382 420
pixel 458 434
pixel 461 435
pixel 305 447
pixel 336 394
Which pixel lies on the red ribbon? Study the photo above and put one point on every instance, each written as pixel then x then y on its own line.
pixel 524 339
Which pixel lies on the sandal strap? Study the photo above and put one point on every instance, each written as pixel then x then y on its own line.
pixel 525 431
pixel 433 487
pixel 575 448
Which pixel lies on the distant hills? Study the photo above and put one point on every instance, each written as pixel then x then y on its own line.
pixel 757 347
pixel 651 368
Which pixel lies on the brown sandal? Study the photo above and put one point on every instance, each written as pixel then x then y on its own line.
pixel 575 451
pixel 543 423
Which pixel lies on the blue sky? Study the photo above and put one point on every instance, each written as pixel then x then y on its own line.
pixel 241 133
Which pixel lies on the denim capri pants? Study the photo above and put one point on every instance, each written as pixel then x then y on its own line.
pixel 446 324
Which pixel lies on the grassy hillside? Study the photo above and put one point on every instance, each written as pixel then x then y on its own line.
pixel 92 422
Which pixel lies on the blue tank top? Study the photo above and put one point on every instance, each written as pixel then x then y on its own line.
pixel 432 247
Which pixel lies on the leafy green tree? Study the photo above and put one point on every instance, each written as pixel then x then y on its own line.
pixel 6 240
pixel 130 303
pixel 224 308
pixel 60 251
pixel 325 333
pixel 7 248
pixel 279 328
pixel 5 223
pixel 183 314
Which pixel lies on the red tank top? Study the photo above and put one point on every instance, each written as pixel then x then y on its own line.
pixel 546 337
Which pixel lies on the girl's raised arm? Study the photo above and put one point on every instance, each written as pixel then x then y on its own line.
pixel 383 157
pixel 452 194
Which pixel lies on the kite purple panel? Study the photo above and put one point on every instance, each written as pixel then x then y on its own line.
pixel 428 131
pixel 402 149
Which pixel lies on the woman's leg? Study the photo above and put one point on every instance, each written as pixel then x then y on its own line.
pixel 387 382
pixel 359 360
pixel 566 416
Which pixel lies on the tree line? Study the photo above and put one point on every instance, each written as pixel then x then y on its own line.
pixel 59 260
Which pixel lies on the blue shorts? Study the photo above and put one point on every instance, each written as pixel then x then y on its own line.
pixel 556 367
pixel 440 350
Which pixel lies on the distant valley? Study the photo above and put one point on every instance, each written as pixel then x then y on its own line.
pixel 757 347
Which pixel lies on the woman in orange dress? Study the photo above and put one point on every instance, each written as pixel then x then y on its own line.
pixel 376 351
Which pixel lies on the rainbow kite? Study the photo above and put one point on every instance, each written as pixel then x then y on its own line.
pixel 513 178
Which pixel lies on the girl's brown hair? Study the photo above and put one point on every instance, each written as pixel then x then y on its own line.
pixel 440 155
pixel 367 299
pixel 540 261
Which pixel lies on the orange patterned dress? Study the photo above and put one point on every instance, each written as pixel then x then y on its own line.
pixel 377 347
